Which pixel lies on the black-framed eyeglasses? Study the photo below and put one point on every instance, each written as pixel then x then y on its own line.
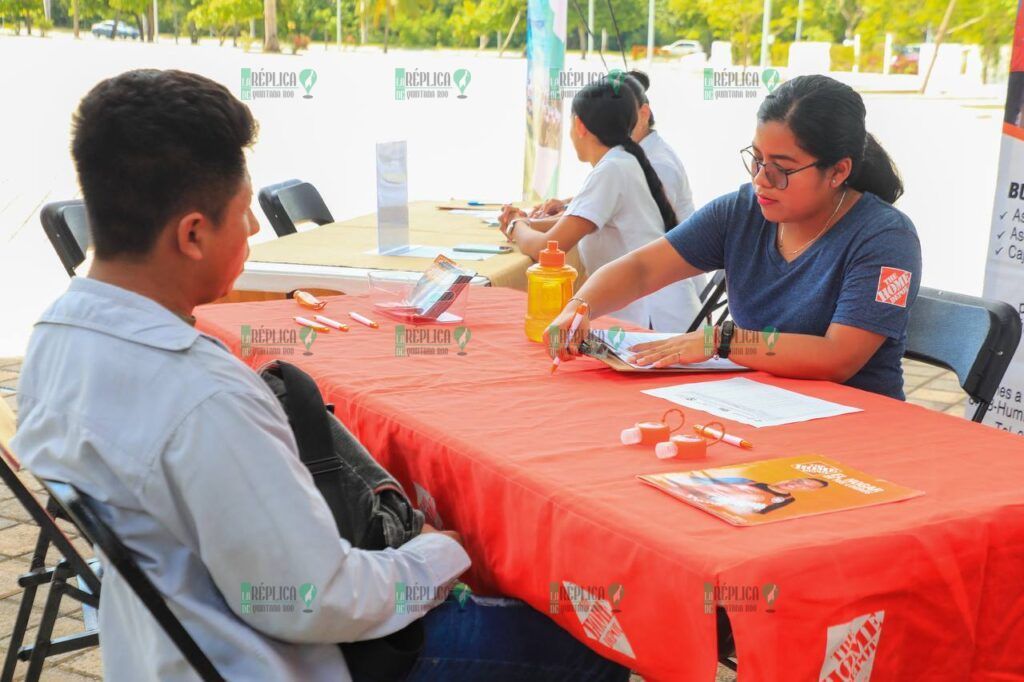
pixel 777 176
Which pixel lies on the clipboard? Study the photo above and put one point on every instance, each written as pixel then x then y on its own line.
pixel 599 350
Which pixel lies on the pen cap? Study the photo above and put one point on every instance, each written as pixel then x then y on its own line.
pixel 552 257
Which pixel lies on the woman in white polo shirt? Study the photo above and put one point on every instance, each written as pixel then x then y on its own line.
pixel 621 207
pixel 663 158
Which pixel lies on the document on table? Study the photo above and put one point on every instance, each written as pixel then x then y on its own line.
pixel 750 402
pixel 414 251
pixel 619 342
pixel 484 215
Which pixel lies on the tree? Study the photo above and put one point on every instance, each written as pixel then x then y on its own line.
pixel 270 42
pixel 223 16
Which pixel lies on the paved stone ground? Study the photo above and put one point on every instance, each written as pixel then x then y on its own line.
pixel 926 386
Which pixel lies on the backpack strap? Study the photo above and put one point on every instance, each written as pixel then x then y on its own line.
pixel 306 412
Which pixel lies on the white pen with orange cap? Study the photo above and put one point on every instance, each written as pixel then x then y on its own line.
pixel 333 324
pixel 363 320
pixel 317 326
pixel 724 437
pixel 577 319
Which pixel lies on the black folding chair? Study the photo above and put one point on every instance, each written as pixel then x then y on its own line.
pixel 72 565
pixel 973 337
pixel 79 509
pixel 66 223
pixel 713 299
pixel 292 202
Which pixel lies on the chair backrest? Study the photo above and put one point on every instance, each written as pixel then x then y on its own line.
pixel 973 337
pixel 81 511
pixel 9 466
pixel 293 202
pixel 273 209
pixel 66 223
pixel 299 203
pixel 713 298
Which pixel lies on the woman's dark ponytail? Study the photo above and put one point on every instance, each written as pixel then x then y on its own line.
pixel 609 111
pixel 877 173
pixel 668 214
pixel 827 118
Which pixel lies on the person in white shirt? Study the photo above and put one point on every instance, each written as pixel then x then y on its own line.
pixel 663 158
pixel 187 453
pixel 621 207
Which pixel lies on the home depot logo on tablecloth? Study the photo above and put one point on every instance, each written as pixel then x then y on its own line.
pixel 598 619
pixel 425 503
pixel 893 286
pixel 850 649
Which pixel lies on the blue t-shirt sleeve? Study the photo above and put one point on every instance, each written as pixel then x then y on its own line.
pixel 700 239
pixel 880 283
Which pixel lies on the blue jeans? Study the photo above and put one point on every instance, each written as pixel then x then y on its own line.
pixel 504 640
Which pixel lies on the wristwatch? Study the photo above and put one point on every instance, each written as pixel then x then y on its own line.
pixel 511 228
pixel 725 341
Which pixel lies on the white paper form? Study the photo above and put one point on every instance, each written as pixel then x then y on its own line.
pixel 750 402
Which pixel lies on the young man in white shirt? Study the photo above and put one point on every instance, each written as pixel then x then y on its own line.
pixel 188 453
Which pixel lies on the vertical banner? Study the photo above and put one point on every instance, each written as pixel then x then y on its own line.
pixel 545 59
pixel 1004 269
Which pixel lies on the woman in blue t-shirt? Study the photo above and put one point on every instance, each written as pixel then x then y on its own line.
pixel 812 248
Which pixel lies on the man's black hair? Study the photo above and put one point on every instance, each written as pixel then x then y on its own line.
pixel 151 145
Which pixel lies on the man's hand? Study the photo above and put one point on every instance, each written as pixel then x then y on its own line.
pixel 427 528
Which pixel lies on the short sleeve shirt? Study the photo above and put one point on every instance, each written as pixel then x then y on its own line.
pixel 864 272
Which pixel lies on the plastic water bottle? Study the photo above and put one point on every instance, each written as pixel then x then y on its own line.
pixel 548 290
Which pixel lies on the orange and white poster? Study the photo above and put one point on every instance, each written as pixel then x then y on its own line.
pixel 755 493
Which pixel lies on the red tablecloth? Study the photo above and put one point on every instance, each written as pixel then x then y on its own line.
pixel 529 469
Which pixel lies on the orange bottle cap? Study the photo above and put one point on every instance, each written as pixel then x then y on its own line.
pixel 552 257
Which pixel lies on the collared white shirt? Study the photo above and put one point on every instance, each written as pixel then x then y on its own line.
pixel 197 471
pixel 670 171
pixel 615 197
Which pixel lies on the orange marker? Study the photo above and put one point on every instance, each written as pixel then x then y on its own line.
pixel 312 325
pixel 581 310
pixel 726 438
pixel 363 320
pixel 333 324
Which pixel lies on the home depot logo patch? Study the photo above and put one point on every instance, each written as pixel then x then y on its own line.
pixel 893 286
pixel 850 649
pixel 425 503
pixel 598 619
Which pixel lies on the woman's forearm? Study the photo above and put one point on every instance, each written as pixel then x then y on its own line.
pixel 613 286
pixel 797 356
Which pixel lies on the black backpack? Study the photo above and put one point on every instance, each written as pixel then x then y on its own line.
pixel 369 506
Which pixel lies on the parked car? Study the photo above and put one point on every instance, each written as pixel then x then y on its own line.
pixel 105 29
pixel 905 59
pixel 682 48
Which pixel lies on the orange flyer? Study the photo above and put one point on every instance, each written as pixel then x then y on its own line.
pixel 756 493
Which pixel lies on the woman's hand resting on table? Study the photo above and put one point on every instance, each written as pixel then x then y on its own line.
pixel 685 348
